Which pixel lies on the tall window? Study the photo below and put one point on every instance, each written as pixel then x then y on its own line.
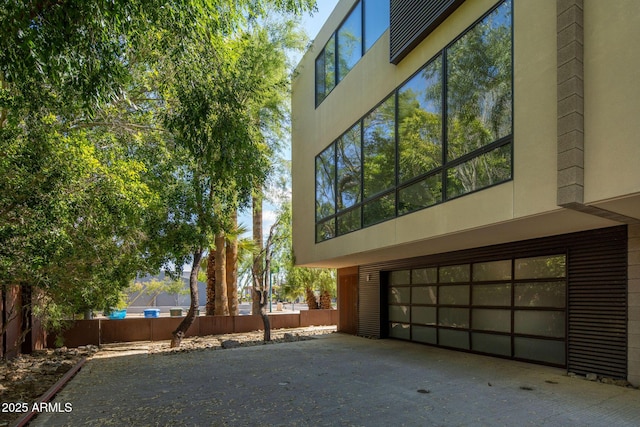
pixel 325 193
pixel 379 161
pixel 349 42
pixel 479 103
pixel 376 18
pixel 445 132
pixel 326 70
pixel 349 183
pixel 420 138
pixel 379 148
pixel 364 25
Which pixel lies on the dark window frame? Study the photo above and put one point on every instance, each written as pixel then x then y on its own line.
pixel 443 169
pixel 363 49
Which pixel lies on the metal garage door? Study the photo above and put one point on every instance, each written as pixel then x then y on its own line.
pixel 513 307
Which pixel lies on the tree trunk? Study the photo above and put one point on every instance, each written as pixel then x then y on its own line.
pixel 186 323
pixel 312 302
pixel 257 259
pixel 222 304
pixel 325 300
pixel 232 269
pixel 262 299
pixel 211 283
pixel 265 317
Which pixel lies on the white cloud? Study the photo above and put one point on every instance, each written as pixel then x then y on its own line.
pixel 268 219
pixel 269 216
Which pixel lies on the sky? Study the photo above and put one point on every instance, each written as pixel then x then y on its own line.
pixel 313 23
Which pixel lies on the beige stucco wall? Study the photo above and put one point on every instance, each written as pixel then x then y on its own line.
pixel 612 99
pixel 523 208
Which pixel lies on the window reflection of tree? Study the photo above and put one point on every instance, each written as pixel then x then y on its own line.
pixel 379 209
pixel 479 172
pixel 349 221
pixel 320 78
pixel 350 42
pixel 326 70
pixel 479 87
pixel 420 122
pixel 541 294
pixel 349 168
pixel 379 148
pixel 325 183
pixel 325 230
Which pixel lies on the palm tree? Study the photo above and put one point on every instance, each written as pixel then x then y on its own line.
pixel 232 265
pixel 307 280
pixel 235 248
pixel 256 204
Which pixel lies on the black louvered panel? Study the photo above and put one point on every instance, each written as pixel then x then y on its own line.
pixel 369 302
pixel 597 306
pixel 411 22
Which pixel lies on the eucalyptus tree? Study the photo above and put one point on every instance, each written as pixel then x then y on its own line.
pixel 277 241
pixel 222 97
pixel 89 166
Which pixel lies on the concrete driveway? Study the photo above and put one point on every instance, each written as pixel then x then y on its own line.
pixel 335 380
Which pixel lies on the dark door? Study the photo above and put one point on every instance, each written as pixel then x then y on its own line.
pixel 348 304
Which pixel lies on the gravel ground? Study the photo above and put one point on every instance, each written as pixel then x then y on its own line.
pixel 24 379
pixel 335 379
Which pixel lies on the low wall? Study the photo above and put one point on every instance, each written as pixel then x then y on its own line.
pixel 106 331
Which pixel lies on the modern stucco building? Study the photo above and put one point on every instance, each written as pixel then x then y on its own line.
pixel 472 168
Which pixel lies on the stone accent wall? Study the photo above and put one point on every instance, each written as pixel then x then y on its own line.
pixel 570 103
pixel 634 305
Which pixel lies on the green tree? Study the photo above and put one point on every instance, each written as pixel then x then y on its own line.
pixel 70 211
pixel 224 94
pixel 299 281
pixel 304 281
pixel 279 237
pixel 95 186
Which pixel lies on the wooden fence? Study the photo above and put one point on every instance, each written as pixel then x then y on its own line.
pixel 105 331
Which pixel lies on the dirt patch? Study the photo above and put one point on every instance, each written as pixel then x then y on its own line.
pixel 27 377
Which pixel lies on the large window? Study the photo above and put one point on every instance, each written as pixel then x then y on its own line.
pixel 379 162
pixel 445 132
pixel 479 85
pixel 364 25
